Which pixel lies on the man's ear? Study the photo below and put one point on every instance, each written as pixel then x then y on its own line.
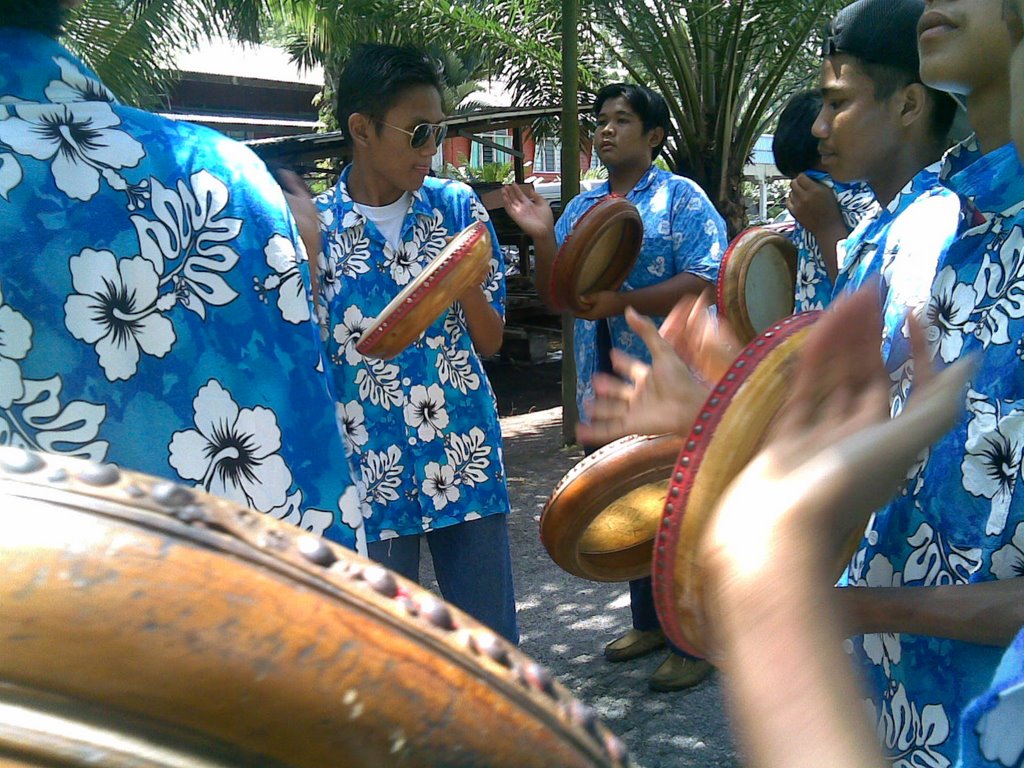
pixel 913 103
pixel 656 137
pixel 359 128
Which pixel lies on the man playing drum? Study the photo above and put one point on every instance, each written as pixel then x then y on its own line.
pixel 423 425
pixel 684 238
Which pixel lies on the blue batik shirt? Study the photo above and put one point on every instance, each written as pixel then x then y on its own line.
pixel 813 285
pixel 155 300
pixel 423 425
pixel 960 517
pixel 683 233
pixel 992 727
pixel 899 246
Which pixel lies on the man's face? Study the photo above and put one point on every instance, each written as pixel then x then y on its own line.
pixel 388 153
pixel 857 133
pixel 620 138
pixel 1013 12
pixel 963 45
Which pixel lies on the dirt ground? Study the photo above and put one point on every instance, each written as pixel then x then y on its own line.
pixel 565 621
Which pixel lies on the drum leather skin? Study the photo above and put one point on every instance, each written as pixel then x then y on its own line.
pixel 726 435
pixel 423 300
pixel 598 254
pixel 143 623
pixel 600 521
pixel 757 280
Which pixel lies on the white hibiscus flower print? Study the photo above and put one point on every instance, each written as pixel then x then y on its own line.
pixel 352 420
pixel 933 562
pixel 348 332
pixel 378 382
pixel 15 342
pixel 311 520
pixel 1000 735
pixel 992 459
pixel 75 85
pixel 470 455
pixel 911 736
pixel 403 262
pixel 1008 561
pixel 382 475
pixel 115 308
pixel 292 299
pixel 10 174
pixel 454 367
pixel 233 452
pixel 440 485
pixel 1002 279
pixel 78 139
pixel 949 313
pixel 328 276
pixel 349 252
pixel 425 412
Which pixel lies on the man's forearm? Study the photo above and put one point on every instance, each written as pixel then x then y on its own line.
pixel 659 299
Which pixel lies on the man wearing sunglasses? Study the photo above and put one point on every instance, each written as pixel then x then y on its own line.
pixel 424 424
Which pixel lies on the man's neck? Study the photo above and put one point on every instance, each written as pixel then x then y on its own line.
pixel 903 169
pixel 621 180
pixel 369 189
pixel 988 112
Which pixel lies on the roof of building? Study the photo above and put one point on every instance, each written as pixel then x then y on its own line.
pixel 229 58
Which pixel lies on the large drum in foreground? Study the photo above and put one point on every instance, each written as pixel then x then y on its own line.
pixel 601 519
pixel 757 280
pixel 726 435
pixel 422 301
pixel 598 254
pixel 146 624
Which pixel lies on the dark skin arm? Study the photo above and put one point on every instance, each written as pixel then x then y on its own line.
pixel 658 299
pixel 486 328
pixel 814 205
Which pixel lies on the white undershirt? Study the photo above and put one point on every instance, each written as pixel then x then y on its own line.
pixel 388 218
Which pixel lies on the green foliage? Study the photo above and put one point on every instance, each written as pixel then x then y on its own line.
pixel 502 173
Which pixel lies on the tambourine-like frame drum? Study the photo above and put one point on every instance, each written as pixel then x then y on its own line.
pixel 598 254
pixel 757 280
pixel 149 624
pixel 726 435
pixel 422 301
pixel 600 521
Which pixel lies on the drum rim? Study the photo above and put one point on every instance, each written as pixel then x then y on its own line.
pixel 409 297
pixel 688 465
pixel 619 211
pixel 562 524
pixel 727 288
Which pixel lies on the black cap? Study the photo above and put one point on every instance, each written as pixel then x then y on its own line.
pixel 877 32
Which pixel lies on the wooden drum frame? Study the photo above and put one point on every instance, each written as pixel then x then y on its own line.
pixel 423 300
pixel 726 435
pixel 149 624
pixel 598 254
pixel 757 280
pixel 600 521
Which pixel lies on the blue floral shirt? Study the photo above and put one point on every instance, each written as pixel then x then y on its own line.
pixel 683 233
pixel 155 300
pixel 901 245
pixel 813 285
pixel 960 517
pixel 424 425
pixel 992 728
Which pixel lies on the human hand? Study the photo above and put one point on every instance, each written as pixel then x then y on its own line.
pixel 529 210
pixel 814 206
pixel 706 343
pixel 602 305
pixel 653 399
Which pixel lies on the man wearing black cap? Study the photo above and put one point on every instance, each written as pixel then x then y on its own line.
pixel 879 124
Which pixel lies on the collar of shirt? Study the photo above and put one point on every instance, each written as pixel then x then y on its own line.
pixel 993 182
pixel 603 190
pixel 923 181
pixel 23 82
pixel 351 217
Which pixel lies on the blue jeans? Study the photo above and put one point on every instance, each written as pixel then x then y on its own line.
pixel 473 566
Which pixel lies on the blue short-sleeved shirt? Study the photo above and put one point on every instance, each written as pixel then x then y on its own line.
pixel 683 233
pixel 423 425
pixel 900 245
pixel 155 300
pixel 813 285
pixel 960 517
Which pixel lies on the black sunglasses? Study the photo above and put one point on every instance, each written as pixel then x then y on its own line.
pixel 422 133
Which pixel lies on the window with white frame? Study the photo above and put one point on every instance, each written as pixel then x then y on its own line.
pixel 547 157
pixel 483 155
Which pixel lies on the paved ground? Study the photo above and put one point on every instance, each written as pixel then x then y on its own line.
pixel 566 621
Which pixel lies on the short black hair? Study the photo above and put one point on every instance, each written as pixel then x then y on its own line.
pixel 375 76
pixel 46 16
pixel 888 80
pixel 794 146
pixel 649 106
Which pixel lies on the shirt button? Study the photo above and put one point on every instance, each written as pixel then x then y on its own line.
pixel 412 441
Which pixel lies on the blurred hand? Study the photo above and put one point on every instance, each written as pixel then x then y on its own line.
pixel 602 305
pixel 529 210
pixel 706 343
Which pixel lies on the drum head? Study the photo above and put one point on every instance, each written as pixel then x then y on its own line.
pixel 422 301
pixel 599 253
pixel 149 624
pixel 601 520
pixel 757 281
pixel 727 434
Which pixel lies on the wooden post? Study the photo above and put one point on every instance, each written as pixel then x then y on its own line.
pixel 570 188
